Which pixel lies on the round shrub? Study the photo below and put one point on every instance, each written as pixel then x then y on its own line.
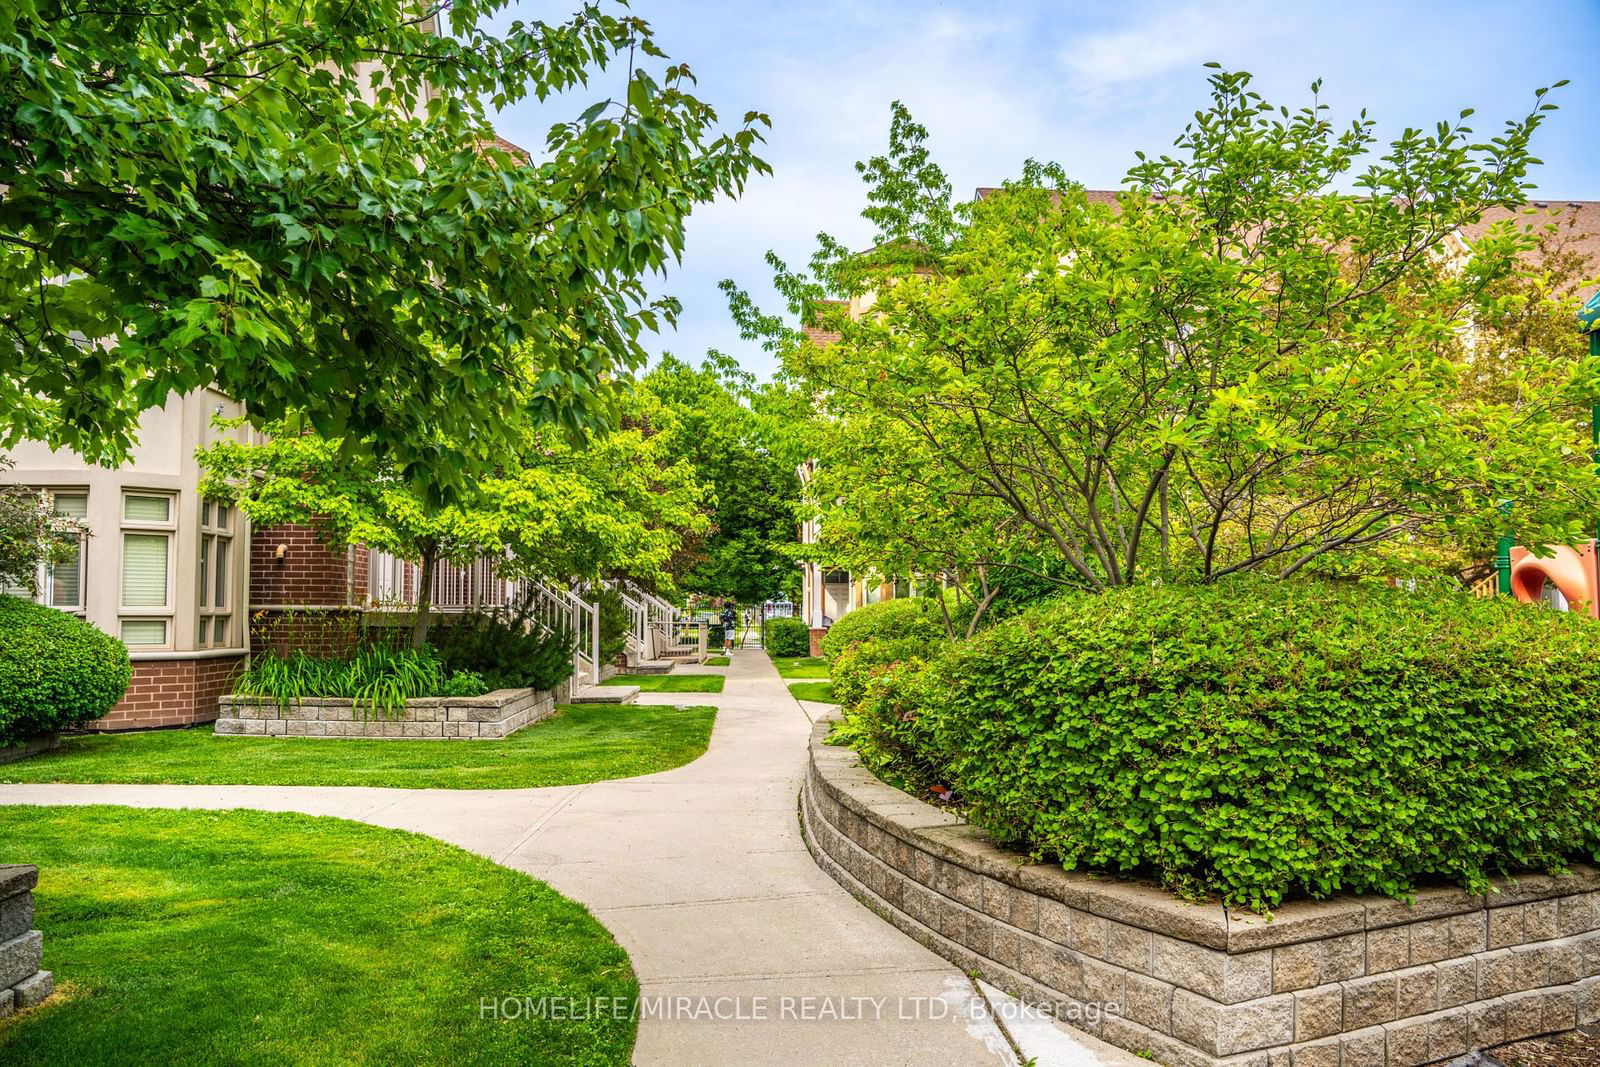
pixel 787 636
pixel 861 661
pixel 917 617
pixel 1255 740
pixel 887 715
pixel 56 671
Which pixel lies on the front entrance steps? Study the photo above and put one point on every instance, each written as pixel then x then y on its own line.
pixel 605 694
pixel 651 666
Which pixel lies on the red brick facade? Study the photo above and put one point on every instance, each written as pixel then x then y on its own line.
pixel 304 595
pixel 172 692
pixel 307 577
pixel 307 573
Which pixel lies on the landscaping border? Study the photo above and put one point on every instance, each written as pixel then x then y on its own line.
pixel 1346 982
pixel 486 718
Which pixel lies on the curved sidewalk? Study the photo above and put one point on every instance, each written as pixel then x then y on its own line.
pixel 702 875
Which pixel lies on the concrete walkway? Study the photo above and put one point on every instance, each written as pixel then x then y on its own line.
pixel 702 876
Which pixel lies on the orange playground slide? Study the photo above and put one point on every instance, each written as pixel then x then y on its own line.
pixel 1571 569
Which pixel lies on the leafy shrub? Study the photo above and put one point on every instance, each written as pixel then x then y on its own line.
pixel 787 636
pixel 378 678
pixel 508 647
pixel 890 717
pixel 463 684
pixel 56 671
pixel 908 617
pixel 1259 739
pixel 854 667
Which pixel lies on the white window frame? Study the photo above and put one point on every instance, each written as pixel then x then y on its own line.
pixel 213 534
pixel 167 615
pixel 44 577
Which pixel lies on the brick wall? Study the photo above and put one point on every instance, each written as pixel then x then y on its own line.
pixel 310 578
pixel 308 573
pixel 177 692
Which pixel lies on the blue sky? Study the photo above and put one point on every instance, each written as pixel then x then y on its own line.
pixel 1083 84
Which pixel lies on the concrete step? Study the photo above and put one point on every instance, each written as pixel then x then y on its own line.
pixel 606 694
pixel 651 666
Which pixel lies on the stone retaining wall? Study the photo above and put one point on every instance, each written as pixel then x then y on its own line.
pixel 1348 982
pixel 489 717
pixel 22 983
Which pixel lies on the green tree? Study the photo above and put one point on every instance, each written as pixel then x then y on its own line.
pixel 725 425
pixel 1235 367
pixel 614 504
pixel 304 205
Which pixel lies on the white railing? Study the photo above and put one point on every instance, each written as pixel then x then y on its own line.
pixel 472 587
pixel 637 638
pixel 652 621
pixel 391 585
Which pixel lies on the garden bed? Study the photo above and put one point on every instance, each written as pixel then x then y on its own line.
pixel 485 718
pixel 583 743
pixel 1346 980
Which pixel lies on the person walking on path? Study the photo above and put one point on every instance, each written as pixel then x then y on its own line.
pixel 730 626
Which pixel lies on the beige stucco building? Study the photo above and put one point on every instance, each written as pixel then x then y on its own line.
pixel 158 566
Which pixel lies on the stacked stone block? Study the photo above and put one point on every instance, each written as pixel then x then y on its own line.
pixel 22 983
pixel 489 717
pixel 1349 982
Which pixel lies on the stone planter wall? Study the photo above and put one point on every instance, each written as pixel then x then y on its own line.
pixel 42 743
pixel 489 717
pixel 1348 982
pixel 22 983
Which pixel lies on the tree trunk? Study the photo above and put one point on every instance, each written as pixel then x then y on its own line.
pixel 419 628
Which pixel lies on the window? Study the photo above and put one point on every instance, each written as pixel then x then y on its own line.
pixel 62 585
pixel 216 574
pixel 147 528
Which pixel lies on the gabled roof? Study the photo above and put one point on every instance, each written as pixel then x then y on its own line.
pixel 1576 229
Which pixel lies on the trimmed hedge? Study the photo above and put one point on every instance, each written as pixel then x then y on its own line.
pixel 56 671
pixel 787 636
pixel 1257 740
pixel 853 669
pixel 917 617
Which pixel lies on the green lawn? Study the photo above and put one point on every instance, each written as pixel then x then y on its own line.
pixel 718 661
pixel 671 683
pixel 582 743
pixel 801 667
pixel 242 937
pixel 822 692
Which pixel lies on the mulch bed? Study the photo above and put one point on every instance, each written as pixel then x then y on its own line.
pixel 1576 1048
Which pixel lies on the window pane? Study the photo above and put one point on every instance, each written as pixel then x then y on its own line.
pixel 205 572
pixel 72 505
pixel 220 588
pixel 144 570
pixel 144 632
pixel 147 508
pixel 220 637
pixel 222 516
pixel 205 513
pixel 66 580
